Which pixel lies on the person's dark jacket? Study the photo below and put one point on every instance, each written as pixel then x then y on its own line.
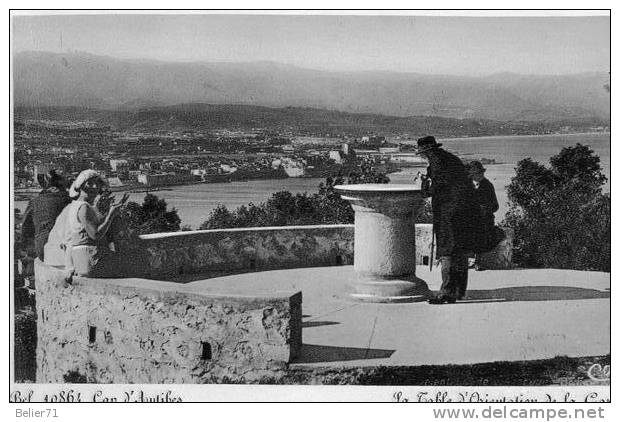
pixel 454 211
pixel 486 199
pixel 41 214
pixel 487 203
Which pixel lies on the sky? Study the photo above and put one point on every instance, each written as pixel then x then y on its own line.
pixel 424 44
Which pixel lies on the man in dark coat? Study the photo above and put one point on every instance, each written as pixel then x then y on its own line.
pixel 454 216
pixel 41 213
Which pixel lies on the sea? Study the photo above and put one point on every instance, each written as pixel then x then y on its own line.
pixel 195 202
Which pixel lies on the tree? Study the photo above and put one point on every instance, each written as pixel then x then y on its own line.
pixel 559 214
pixel 220 217
pixel 579 163
pixel 332 209
pixel 152 216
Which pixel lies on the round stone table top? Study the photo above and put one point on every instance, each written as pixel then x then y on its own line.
pixel 378 187
pixel 382 197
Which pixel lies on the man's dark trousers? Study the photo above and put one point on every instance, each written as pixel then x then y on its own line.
pixel 454 275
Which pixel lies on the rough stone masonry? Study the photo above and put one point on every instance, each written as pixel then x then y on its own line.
pixel 145 331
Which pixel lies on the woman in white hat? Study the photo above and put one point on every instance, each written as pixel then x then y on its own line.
pixel 87 245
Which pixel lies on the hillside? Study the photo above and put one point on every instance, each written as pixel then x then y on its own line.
pixel 200 117
pixel 83 80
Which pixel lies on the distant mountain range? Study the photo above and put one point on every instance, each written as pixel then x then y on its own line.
pixel 83 80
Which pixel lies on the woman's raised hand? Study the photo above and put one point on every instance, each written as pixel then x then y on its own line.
pixel 115 207
pixel 103 201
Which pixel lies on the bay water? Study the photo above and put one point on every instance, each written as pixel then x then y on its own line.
pixel 195 202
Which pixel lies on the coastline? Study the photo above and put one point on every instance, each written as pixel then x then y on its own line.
pixel 25 194
pixel 466 138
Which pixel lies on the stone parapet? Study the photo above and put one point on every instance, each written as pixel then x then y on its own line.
pixel 230 251
pixel 145 331
pixel 177 256
pixel 212 253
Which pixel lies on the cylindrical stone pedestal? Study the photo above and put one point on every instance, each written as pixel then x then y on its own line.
pixel 384 259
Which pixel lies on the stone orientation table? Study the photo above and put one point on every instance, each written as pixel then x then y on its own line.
pixel 384 251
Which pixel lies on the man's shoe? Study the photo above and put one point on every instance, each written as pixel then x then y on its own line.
pixel 440 300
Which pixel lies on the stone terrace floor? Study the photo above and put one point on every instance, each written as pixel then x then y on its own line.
pixel 510 315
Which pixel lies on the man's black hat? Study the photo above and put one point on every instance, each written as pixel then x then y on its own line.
pixel 427 143
pixel 476 166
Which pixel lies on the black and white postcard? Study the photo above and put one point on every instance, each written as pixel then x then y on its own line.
pixel 405 206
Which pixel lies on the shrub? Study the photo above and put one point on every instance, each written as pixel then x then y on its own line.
pixel 559 214
pixel 152 216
